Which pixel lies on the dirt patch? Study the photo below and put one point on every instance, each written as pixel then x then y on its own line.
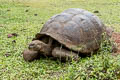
pixel 116 39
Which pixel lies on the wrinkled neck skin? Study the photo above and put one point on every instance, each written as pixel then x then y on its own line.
pixel 45 50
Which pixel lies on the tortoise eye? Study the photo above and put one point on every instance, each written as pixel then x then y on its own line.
pixel 31 46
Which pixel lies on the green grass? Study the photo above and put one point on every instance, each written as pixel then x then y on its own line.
pixel 15 19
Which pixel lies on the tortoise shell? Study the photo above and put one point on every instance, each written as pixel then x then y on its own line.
pixel 76 29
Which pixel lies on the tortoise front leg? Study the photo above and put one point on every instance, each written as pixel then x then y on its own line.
pixel 30 55
pixel 64 54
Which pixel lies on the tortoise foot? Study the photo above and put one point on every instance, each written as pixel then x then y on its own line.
pixel 29 55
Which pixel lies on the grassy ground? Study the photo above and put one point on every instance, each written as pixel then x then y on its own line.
pixel 26 17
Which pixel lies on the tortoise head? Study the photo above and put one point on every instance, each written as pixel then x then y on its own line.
pixel 37 45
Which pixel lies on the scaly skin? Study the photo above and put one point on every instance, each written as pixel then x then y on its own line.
pixel 37 47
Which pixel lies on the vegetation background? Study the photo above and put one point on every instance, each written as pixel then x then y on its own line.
pixel 26 17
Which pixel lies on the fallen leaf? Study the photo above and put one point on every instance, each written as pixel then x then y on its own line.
pixel 12 34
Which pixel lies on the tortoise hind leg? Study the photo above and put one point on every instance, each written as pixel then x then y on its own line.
pixel 64 54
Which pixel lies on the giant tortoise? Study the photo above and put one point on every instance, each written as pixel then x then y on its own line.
pixel 67 35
